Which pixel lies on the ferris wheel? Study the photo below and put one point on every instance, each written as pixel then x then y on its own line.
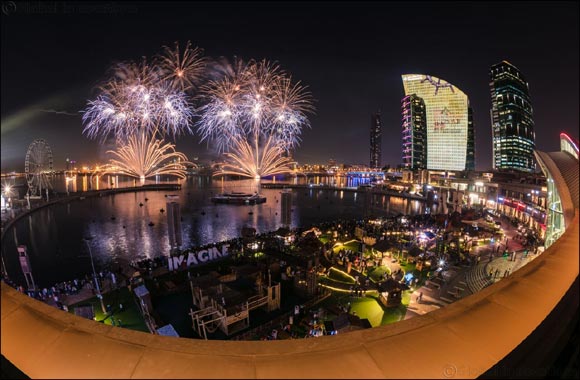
pixel 38 167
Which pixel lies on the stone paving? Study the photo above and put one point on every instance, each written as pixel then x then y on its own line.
pixel 502 267
pixel 437 293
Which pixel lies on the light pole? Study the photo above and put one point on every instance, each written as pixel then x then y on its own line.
pixel 99 295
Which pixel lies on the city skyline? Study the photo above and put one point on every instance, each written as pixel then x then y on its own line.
pixel 351 63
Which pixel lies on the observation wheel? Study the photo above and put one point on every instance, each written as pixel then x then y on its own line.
pixel 38 167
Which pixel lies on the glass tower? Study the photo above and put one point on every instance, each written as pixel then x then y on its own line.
pixel 470 157
pixel 375 157
pixel 446 110
pixel 512 122
pixel 414 122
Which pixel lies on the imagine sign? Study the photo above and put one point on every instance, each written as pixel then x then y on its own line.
pixel 198 258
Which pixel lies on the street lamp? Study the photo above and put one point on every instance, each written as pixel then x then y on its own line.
pixel 99 295
pixel 7 190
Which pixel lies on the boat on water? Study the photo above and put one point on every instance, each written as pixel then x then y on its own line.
pixel 239 198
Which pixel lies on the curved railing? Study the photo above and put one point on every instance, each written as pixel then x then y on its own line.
pixel 464 339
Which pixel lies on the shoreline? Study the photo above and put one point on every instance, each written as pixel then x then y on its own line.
pixel 373 191
pixel 82 196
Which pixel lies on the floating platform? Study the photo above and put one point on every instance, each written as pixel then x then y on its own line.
pixel 239 198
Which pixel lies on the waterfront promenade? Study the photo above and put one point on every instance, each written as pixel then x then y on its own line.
pixel 374 190
pixel 462 281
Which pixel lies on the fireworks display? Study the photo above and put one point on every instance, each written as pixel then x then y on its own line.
pixel 146 97
pixel 144 156
pixel 243 161
pixel 255 115
pixel 251 111
pixel 183 70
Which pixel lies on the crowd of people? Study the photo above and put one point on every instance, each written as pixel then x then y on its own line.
pixel 147 266
pixel 58 292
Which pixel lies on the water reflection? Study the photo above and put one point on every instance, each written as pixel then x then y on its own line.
pixel 120 223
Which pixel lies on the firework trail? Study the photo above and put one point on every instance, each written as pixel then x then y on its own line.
pixel 59 112
pixel 183 70
pixel 242 161
pixel 144 156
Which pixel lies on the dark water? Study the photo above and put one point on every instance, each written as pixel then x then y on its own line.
pixel 53 235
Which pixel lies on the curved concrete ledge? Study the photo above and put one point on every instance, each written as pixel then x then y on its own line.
pixel 461 340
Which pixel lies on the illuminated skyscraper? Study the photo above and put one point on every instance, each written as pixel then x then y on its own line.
pixel 470 158
pixel 446 110
pixel 375 161
pixel 511 117
pixel 414 123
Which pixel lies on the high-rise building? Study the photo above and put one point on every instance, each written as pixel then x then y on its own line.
pixel 446 109
pixel 173 221
pixel 470 157
pixel 414 123
pixel 375 160
pixel 512 122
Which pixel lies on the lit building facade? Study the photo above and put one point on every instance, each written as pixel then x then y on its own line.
pixel 414 123
pixel 525 202
pixel 470 156
pixel 562 174
pixel 512 122
pixel 447 117
pixel 376 140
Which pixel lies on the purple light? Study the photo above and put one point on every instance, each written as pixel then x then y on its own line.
pixel 570 141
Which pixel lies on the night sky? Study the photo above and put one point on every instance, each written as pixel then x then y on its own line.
pixel 351 55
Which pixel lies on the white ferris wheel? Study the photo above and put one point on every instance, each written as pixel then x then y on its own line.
pixel 38 167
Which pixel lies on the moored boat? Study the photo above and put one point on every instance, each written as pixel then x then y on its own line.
pixel 239 198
